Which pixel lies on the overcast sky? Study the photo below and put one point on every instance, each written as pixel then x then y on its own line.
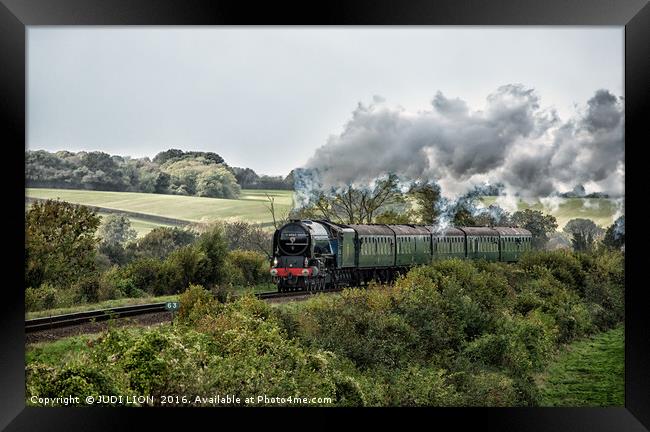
pixel 267 98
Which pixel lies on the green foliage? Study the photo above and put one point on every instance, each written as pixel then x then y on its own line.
pixel 247 268
pixel 615 234
pixel 116 229
pixel 539 224
pixel 74 380
pixel 217 183
pixel 59 243
pixel 584 232
pixel 395 217
pixel 453 333
pixel 202 177
pixel 160 242
pixel 186 265
pixel 213 244
pixel 144 274
pixel 427 197
pixel 43 297
pixel 196 303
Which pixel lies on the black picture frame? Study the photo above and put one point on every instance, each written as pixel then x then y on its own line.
pixel 15 15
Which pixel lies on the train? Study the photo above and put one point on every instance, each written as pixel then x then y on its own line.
pixel 316 255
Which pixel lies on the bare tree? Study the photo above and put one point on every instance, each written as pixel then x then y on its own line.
pixel 279 219
pixel 357 205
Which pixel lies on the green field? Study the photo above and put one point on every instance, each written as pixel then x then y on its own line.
pixel 600 210
pixel 587 373
pixel 251 207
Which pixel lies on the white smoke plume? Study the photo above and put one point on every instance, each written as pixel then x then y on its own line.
pixel 512 141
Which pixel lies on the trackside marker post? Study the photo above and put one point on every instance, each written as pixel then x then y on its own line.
pixel 172 307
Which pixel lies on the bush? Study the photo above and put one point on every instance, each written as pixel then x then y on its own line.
pixel 360 326
pixel 564 265
pixel 491 389
pixel 422 386
pixel 75 380
pixel 117 283
pixel 185 266
pixel 144 274
pixel 160 242
pixel 213 244
pixel 247 268
pixel 86 289
pixel 43 297
pixel 195 303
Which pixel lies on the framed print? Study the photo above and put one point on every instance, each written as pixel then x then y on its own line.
pixel 357 205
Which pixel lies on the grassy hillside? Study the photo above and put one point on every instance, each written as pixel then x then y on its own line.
pixel 600 210
pixel 250 207
pixel 588 373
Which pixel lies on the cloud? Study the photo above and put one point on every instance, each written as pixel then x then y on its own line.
pixel 512 141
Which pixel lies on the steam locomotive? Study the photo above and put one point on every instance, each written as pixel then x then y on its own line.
pixel 312 255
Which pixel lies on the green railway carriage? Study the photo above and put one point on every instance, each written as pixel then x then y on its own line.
pixel 375 245
pixel 482 242
pixel 449 243
pixel 413 245
pixel 513 243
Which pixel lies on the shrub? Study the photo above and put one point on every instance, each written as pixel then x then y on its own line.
pixel 195 303
pixel 116 283
pixel 563 265
pixel 491 389
pixel 146 370
pixel 247 268
pixel 360 326
pixel 86 289
pixel 422 386
pixel 76 380
pixel 43 297
pixel 160 242
pixel 185 266
pixel 214 246
pixel 145 274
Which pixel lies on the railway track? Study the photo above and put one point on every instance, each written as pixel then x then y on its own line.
pixel 77 318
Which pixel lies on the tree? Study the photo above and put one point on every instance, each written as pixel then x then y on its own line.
pixel 539 224
pixel 116 229
pixel 463 216
pixel 114 233
pixel 186 266
pixel 246 177
pixel 393 217
pixel 427 197
pixel 59 243
pixel 358 204
pixel 160 242
pixel 166 155
pixel 278 219
pixel 583 232
pixel 492 216
pixel 214 245
pixel 615 234
pixel 199 176
pixel 217 182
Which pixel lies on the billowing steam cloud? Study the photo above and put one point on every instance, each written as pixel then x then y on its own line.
pixel 512 141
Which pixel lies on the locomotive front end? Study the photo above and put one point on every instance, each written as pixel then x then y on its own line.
pixel 294 267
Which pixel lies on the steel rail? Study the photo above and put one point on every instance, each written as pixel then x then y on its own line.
pixel 77 318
